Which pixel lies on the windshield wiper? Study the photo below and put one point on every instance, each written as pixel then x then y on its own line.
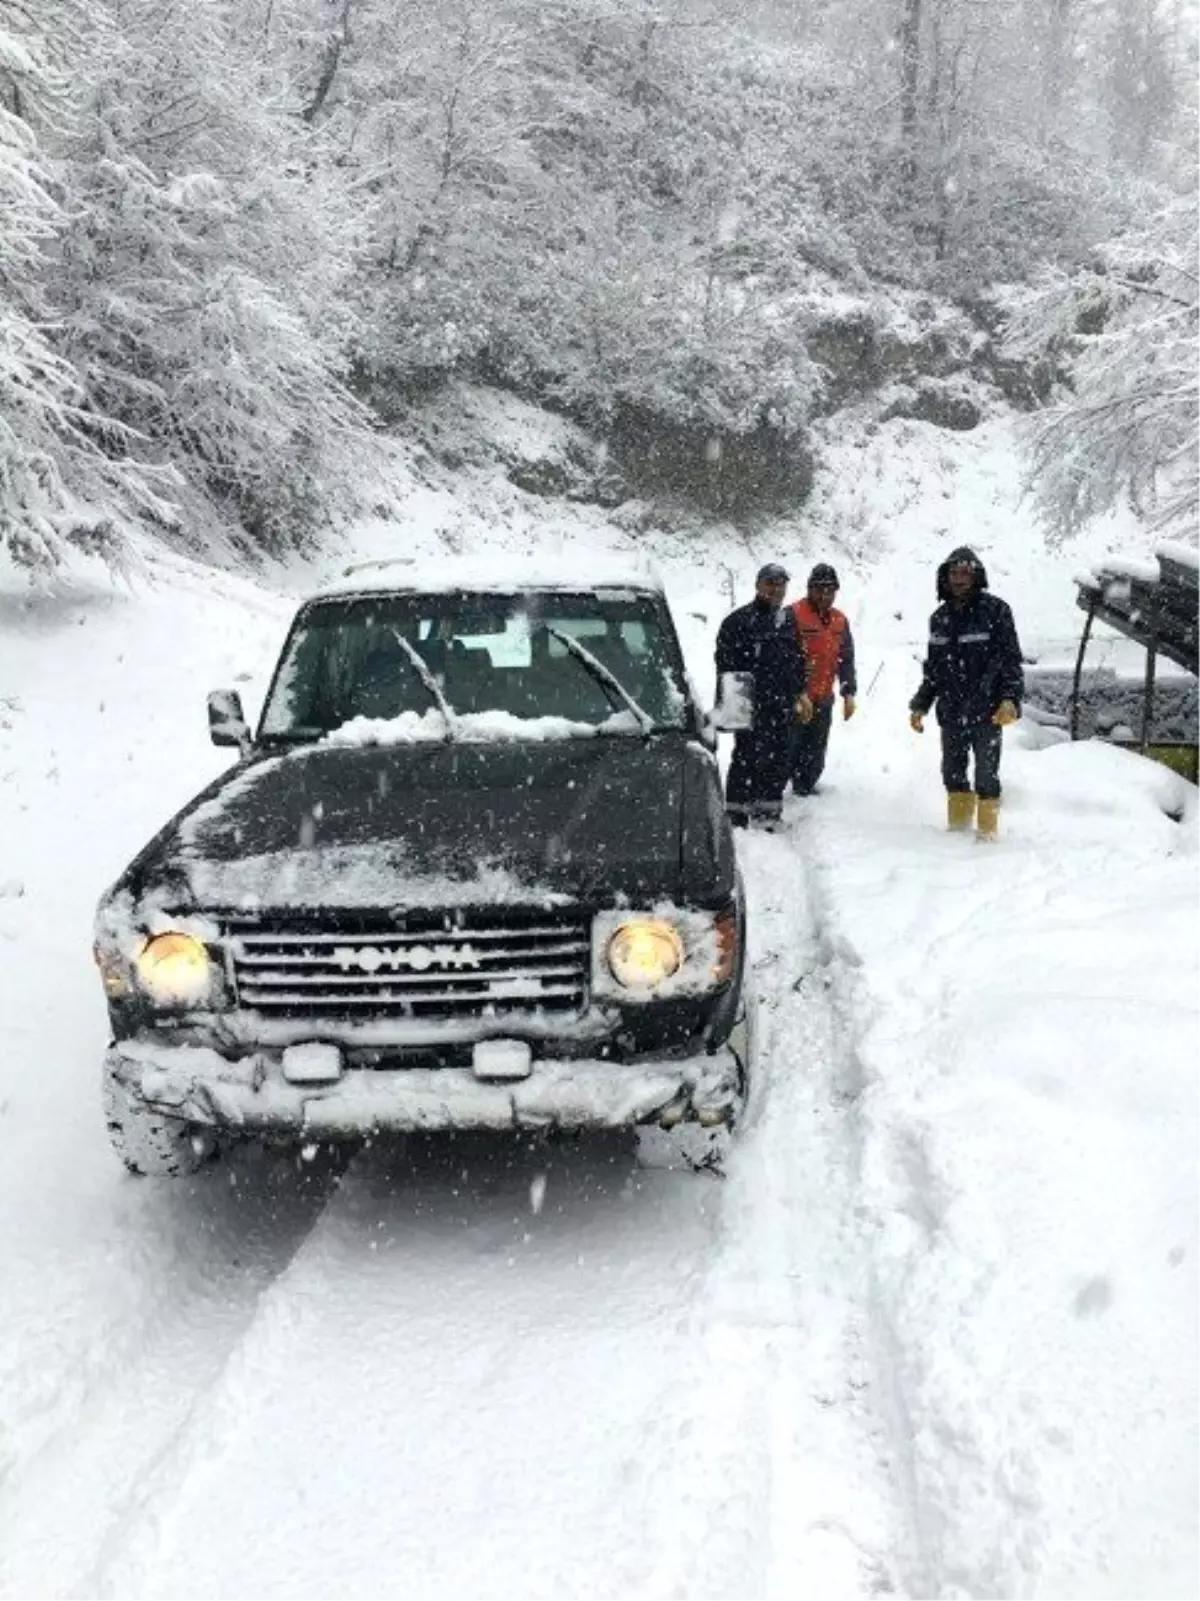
pixel 430 682
pixel 607 680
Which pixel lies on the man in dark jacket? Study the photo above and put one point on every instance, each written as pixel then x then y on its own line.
pixel 761 639
pixel 973 672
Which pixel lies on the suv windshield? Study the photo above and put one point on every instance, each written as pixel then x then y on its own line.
pixel 362 657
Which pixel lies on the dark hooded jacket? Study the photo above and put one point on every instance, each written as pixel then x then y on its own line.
pixel 973 660
pixel 762 640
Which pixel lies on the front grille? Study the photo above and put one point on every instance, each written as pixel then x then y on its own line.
pixel 354 967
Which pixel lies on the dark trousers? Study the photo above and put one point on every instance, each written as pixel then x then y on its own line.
pixel 759 770
pixel 809 743
pixel 981 740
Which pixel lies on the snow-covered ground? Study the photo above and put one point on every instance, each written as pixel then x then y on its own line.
pixel 933 1333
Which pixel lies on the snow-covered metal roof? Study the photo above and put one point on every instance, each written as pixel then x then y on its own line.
pixel 1151 602
pixel 506 574
pixel 1144 569
pixel 1182 555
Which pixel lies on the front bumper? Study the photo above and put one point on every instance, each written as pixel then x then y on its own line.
pixel 251 1095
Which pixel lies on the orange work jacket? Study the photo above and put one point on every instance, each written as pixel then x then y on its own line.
pixel 824 641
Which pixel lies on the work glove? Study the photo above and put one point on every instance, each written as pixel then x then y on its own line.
pixel 916 721
pixel 804 709
pixel 849 707
pixel 1007 712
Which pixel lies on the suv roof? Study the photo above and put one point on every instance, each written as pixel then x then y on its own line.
pixel 509 574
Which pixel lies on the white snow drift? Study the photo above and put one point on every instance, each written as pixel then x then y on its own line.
pixel 934 1332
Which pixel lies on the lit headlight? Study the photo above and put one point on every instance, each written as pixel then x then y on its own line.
pixel 644 952
pixel 175 968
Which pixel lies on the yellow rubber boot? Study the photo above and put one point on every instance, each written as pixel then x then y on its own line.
pixel 960 809
pixel 989 819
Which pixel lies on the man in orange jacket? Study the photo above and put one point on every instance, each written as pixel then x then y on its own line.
pixel 829 653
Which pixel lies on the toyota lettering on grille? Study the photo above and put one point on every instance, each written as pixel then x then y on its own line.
pixel 414 958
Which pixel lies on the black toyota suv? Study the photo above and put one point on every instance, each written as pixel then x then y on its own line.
pixel 471 871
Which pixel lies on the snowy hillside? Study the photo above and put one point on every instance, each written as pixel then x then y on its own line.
pixel 933 1331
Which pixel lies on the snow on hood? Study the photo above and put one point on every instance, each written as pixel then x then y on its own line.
pixel 347 876
pixel 961 556
pixel 425 823
pixel 410 728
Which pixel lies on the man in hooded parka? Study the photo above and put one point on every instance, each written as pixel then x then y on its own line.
pixel 973 673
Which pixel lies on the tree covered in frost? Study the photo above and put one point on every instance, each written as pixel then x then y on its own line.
pixel 173 289
pixel 193 283
pixel 38 393
pixel 1146 56
pixel 225 217
pixel 1127 428
pixel 643 202
pixel 1123 322
pixel 65 472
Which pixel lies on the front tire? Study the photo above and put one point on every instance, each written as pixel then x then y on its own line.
pixel 148 1143
pixel 741 1043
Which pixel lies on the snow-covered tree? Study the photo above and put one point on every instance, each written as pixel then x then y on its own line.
pixel 218 212
pixel 1129 329
pixel 985 153
pixel 66 478
pixel 1141 87
pixel 194 273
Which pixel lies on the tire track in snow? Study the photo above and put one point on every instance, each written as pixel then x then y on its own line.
pixel 775 1464
pixel 75 1482
pixel 854 1012
pixel 952 1473
pixel 446 1393
pixel 669 1391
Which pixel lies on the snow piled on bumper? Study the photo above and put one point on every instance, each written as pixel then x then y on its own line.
pixel 251 1095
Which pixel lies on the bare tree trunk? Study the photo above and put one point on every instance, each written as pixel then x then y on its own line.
pixel 1056 56
pixel 333 56
pixel 910 80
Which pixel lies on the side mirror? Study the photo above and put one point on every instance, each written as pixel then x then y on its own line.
pixel 227 723
pixel 734 711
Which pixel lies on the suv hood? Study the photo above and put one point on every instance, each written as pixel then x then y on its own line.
pixel 409 825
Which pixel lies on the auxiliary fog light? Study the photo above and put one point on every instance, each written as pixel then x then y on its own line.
pixel 644 953
pixel 175 968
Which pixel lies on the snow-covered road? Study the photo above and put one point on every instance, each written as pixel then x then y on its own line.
pixel 545 1371
pixel 932 1332
pixel 455 1367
